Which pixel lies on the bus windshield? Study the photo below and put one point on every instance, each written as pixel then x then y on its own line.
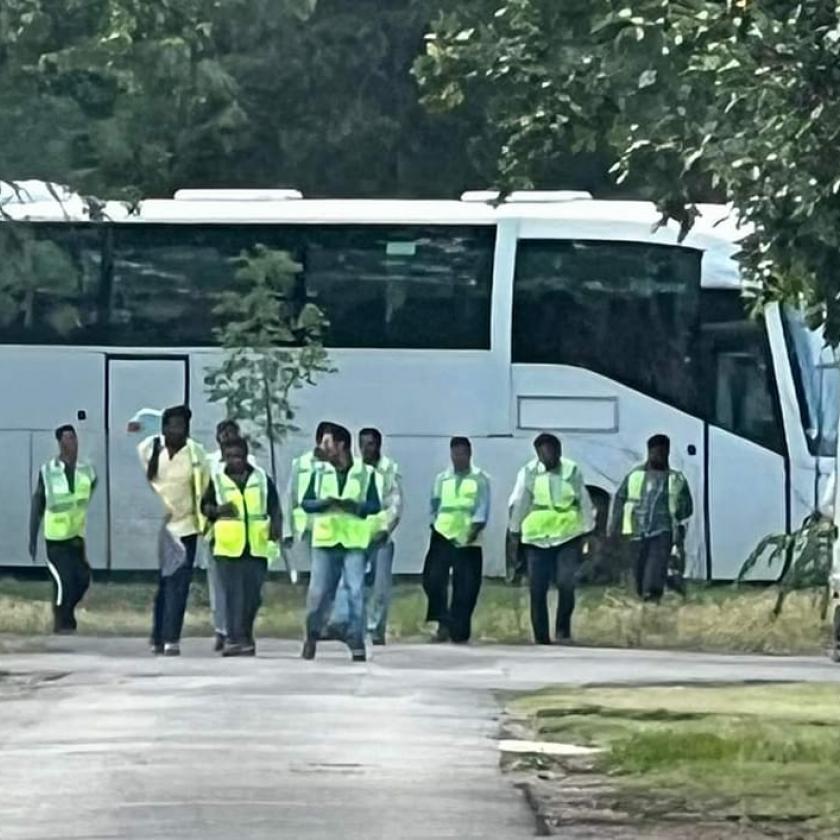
pixel 816 370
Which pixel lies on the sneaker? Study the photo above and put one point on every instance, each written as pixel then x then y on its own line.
pixel 379 641
pixel 219 643
pixel 308 651
pixel 359 656
pixel 233 650
pixel 155 649
pixel 249 649
pixel 172 649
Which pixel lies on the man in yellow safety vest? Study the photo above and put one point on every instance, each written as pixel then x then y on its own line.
pixel 176 467
pixel 651 509
pixel 460 508
pixel 341 495
pixel 550 514
pixel 241 502
pixel 62 497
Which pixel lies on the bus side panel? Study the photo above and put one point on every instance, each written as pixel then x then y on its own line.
pixel 43 389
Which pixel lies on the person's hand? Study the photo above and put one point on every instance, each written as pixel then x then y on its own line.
pixel 227 510
pixel 474 532
pixel 33 551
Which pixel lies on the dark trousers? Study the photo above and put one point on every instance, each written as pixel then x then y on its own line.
pixel 242 580
pixel 558 565
pixel 464 565
pixel 650 564
pixel 171 597
pixel 71 578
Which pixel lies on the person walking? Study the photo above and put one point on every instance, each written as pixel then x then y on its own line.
pixel 242 504
pixel 341 495
pixel 296 522
pixel 460 507
pixel 226 431
pixel 651 509
pixel 550 513
pixel 380 555
pixel 176 467
pixel 62 497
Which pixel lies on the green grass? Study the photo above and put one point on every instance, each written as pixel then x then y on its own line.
pixel 713 618
pixel 757 751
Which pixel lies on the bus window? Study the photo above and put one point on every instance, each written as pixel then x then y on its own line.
pixel 817 378
pixel 625 310
pixel 49 283
pixel 402 286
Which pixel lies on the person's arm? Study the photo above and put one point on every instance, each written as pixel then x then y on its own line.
pixel 149 452
pixel 519 503
pixel 372 504
pixel 208 503
pixel 434 503
pixel 518 487
pixel 481 513
pixel 393 502
pixel 617 509
pixel 36 513
pixel 310 502
pixel 587 509
pixel 685 504
pixel 275 515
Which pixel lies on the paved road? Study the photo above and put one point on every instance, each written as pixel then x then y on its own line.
pixel 99 740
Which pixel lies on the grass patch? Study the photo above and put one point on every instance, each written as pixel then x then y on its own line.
pixel 752 751
pixel 712 618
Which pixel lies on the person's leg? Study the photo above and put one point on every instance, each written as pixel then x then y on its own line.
pixel 58 573
pixel 354 578
pixel 217 598
pixel 566 564
pixel 436 580
pixel 383 566
pixel 339 619
pixel 231 574
pixel 638 550
pixel 656 568
pixel 177 590
pixel 80 578
pixel 540 575
pixel 158 609
pixel 466 584
pixel 324 576
pixel 255 578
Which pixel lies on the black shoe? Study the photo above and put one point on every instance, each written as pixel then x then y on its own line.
pixel 219 643
pixel 442 634
pixel 249 650
pixel 359 656
pixel 379 641
pixel 308 651
pixel 156 649
pixel 233 650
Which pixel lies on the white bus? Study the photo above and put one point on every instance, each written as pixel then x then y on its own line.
pixel 549 312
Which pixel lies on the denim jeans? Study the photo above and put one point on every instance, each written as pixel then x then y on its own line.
pixel 171 598
pixel 378 582
pixel 329 565
pixel 217 596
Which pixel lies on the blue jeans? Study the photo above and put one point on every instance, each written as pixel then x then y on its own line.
pixel 329 565
pixel 381 559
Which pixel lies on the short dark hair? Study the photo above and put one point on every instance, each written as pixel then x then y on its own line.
pixel 59 432
pixel 369 431
pixel 226 424
pixel 176 411
pixel 546 439
pixel 659 440
pixel 236 443
pixel 460 442
pixel 323 428
pixel 341 435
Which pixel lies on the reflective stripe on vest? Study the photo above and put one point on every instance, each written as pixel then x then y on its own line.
pixel 458 499
pixel 251 520
pixel 635 490
pixel 553 518
pixel 334 528
pixel 66 513
pixel 199 467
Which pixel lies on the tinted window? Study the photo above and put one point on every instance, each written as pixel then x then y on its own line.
pixel 626 310
pixel 380 286
pixel 49 283
pixel 737 371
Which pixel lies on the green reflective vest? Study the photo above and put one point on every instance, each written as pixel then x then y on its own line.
pixel 459 497
pixel 635 491
pixel 66 512
pixel 555 509
pixel 384 474
pixel 336 528
pixel 251 525
pixel 302 469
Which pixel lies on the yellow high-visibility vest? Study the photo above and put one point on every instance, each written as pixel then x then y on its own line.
pixel 554 515
pixel 251 525
pixel 458 500
pixel 66 513
pixel 336 528
pixel 635 489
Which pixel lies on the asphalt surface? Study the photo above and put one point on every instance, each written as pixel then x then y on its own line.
pixel 100 740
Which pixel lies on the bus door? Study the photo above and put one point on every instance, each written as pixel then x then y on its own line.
pixel 135 512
